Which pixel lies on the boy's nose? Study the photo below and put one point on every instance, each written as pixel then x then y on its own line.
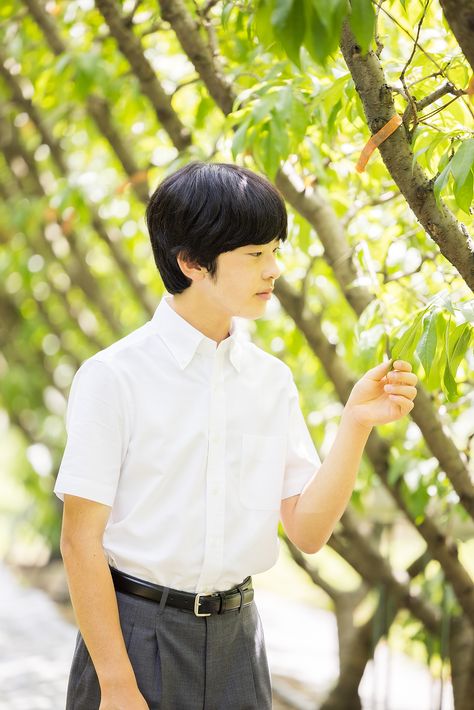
pixel 274 272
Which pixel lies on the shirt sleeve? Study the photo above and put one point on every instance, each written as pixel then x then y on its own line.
pixel 95 447
pixel 302 459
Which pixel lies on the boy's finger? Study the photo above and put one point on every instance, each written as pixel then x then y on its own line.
pixel 402 365
pixel 379 371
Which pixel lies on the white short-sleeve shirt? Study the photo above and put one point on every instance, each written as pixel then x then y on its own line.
pixel 193 446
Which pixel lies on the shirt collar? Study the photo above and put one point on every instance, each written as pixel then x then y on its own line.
pixel 184 340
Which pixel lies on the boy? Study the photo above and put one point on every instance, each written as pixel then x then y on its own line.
pixel 186 444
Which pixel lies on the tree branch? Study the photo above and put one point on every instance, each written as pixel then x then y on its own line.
pixel 450 235
pixel 187 32
pixel 132 50
pixel 460 16
pixel 56 151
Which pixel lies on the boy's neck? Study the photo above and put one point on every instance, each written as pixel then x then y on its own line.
pixel 215 326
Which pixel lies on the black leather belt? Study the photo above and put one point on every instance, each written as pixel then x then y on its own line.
pixel 200 604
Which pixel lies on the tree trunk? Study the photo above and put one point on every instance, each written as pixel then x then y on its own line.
pixel 462 662
pixel 460 17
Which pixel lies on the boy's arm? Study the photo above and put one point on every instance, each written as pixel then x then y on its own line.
pixel 378 397
pixel 310 517
pixel 94 602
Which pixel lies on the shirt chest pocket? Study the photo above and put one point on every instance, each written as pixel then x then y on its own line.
pixel 262 467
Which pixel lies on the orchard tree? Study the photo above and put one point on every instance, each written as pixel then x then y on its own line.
pixel 361 114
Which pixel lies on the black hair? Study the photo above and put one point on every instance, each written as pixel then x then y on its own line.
pixel 205 209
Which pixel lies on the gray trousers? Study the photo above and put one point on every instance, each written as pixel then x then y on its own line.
pixel 183 662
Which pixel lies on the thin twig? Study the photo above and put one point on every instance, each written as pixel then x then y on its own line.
pixel 128 19
pixel 207 8
pixel 411 110
pixel 441 70
pixel 376 33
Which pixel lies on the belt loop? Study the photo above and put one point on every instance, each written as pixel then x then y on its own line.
pixel 239 587
pixel 221 606
pixel 163 599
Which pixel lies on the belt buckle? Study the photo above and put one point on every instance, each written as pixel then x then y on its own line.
pixel 197 601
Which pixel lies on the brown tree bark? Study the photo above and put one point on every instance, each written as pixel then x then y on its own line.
pixel 451 236
pixel 461 655
pixel 131 48
pixel 460 17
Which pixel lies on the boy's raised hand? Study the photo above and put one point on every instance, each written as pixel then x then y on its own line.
pixel 383 395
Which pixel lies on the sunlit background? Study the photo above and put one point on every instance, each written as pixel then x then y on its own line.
pixel 98 102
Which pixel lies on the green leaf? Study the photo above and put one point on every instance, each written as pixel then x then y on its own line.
pixel 417 502
pixel 397 468
pixel 204 108
pixel 322 29
pixel 449 385
pixel 316 159
pixel 281 12
pixel 289 27
pixel 261 109
pixel 425 144
pixel 442 299
pixel 463 193
pixel 239 139
pixel 225 15
pixel 433 144
pixel 417 154
pixel 284 100
pixel 460 166
pixel 279 135
pixel 332 117
pixel 404 347
pixel 458 345
pixel 426 348
pixel 265 153
pixel 463 161
pixel 464 333
pixel 440 182
pixel 362 22
pixel 433 380
pixel 263 23
pixel 299 120
pixel 329 11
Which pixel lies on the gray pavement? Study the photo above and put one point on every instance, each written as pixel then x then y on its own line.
pixel 36 646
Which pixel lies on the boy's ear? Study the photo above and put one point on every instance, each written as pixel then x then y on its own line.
pixel 190 268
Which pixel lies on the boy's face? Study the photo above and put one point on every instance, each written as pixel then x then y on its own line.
pixel 241 275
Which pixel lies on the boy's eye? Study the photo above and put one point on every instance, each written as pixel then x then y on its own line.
pixel 258 253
